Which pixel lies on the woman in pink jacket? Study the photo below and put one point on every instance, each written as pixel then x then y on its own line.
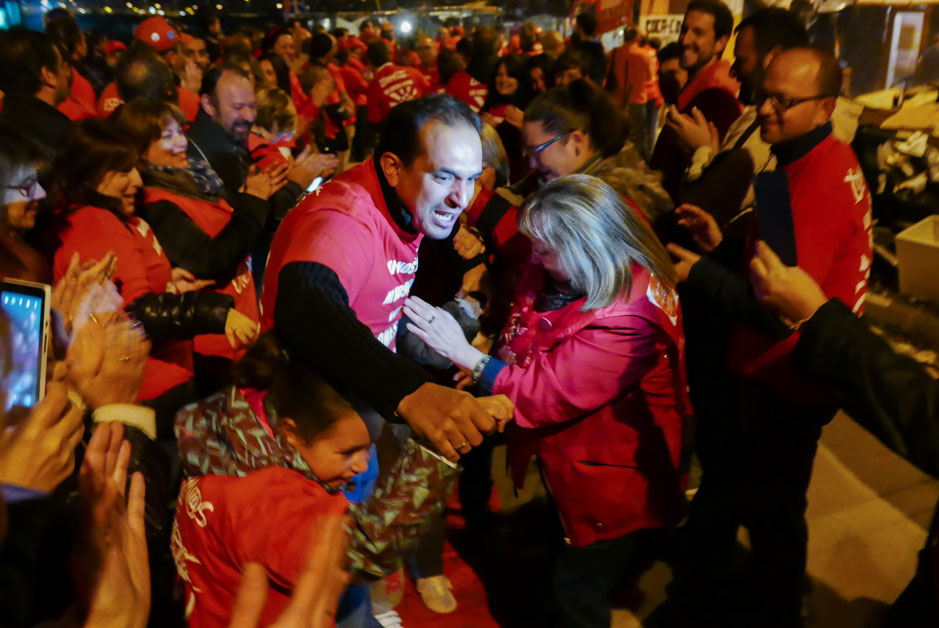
pixel 592 356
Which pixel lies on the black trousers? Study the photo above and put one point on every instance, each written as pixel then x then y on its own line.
pixel 760 481
pixel 585 576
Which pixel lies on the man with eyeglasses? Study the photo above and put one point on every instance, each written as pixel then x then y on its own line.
pixel 816 209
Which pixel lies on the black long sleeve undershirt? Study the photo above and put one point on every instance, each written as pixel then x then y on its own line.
pixel 188 246
pixel 313 316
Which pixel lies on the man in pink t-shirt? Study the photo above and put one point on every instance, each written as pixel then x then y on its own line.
pixel 343 261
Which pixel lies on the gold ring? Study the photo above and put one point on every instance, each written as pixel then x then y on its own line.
pixel 125 358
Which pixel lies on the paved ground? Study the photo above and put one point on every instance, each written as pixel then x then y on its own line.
pixel 869 511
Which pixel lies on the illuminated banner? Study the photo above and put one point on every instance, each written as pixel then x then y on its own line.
pixel 665 28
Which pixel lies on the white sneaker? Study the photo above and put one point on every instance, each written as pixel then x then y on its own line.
pixel 390 619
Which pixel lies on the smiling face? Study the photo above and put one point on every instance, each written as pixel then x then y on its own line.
pixel 284 47
pixel 267 70
pixel 439 184
pixel 123 186
pixel 560 158
pixel 234 108
pixel 698 42
pixel 792 75
pixel 20 199
pixel 336 455
pixel 170 148
pixel 506 84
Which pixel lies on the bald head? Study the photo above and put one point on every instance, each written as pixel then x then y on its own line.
pixel 800 87
pixel 815 67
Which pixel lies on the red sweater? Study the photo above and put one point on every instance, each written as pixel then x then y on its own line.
pixel 142 268
pixel 217 532
pixel 82 102
pixel 346 227
pixel 111 99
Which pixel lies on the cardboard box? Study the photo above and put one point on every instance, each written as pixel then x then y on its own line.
pixel 918 257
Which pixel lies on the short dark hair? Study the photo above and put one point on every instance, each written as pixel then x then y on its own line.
pixel 63 29
pixel 214 74
pixel 339 32
pixel 587 21
pixel 669 51
pixel 377 53
pixel 92 149
pixel 581 105
pixel 23 55
pixel 400 133
pixel 485 41
pixel 141 73
pixel 366 23
pixel 318 46
pixel 570 59
pixel 723 18
pixel 774 27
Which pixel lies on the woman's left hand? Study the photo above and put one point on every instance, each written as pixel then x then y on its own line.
pixel 184 281
pixel 440 331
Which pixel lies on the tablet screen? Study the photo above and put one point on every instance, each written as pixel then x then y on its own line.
pixel 25 313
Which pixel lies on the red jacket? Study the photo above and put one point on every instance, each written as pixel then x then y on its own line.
pixel 356 85
pixel 212 218
pixel 217 532
pixel 831 216
pixel 600 397
pixel 142 268
pixel 346 227
pixel 393 84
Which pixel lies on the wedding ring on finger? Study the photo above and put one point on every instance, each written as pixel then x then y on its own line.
pixel 431 319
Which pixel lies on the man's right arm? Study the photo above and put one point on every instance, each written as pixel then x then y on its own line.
pixel 312 314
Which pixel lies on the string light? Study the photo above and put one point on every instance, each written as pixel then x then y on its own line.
pixel 108 10
pixel 279 5
pixel 152 9
pixel 158 5
pixel 218 6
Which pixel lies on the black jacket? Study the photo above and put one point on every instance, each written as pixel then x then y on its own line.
pixel 232 162
pixel 37 121
pixel 181 316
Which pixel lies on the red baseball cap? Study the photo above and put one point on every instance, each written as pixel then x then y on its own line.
pixel 114 46
pixel 157 32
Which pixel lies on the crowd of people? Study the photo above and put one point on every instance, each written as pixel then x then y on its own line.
pixel 304 281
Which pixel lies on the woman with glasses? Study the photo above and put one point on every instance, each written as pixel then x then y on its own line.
pixel 21 193
pixel 592 357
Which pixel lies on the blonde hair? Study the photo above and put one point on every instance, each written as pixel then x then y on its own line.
pixel 494 155
pixel 596 235
pixel 276 111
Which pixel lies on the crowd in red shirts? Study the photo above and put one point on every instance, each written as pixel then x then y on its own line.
pixel 304 278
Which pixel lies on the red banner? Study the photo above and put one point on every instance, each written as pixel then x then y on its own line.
pixel 613 14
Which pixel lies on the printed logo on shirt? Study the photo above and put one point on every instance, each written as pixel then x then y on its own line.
pixel 143 229
pixel 196 507
pixel 396 267
pixel 855 178
pixel 663 298
pixel 387 337
pixel 398 292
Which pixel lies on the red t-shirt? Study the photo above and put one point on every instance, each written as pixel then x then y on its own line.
pixel 393 84
pixel 142 268
pixel 223 523
pixel 346 227
pixel 356 85
pixel 468 89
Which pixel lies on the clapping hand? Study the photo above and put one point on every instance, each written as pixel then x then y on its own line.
pixel 106 360
pixel 184 281
pixel 695 130
pixel 111 558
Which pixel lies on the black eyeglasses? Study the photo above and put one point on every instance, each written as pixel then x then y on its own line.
pixel 541 147
pixel 27 189
pixel 781 102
